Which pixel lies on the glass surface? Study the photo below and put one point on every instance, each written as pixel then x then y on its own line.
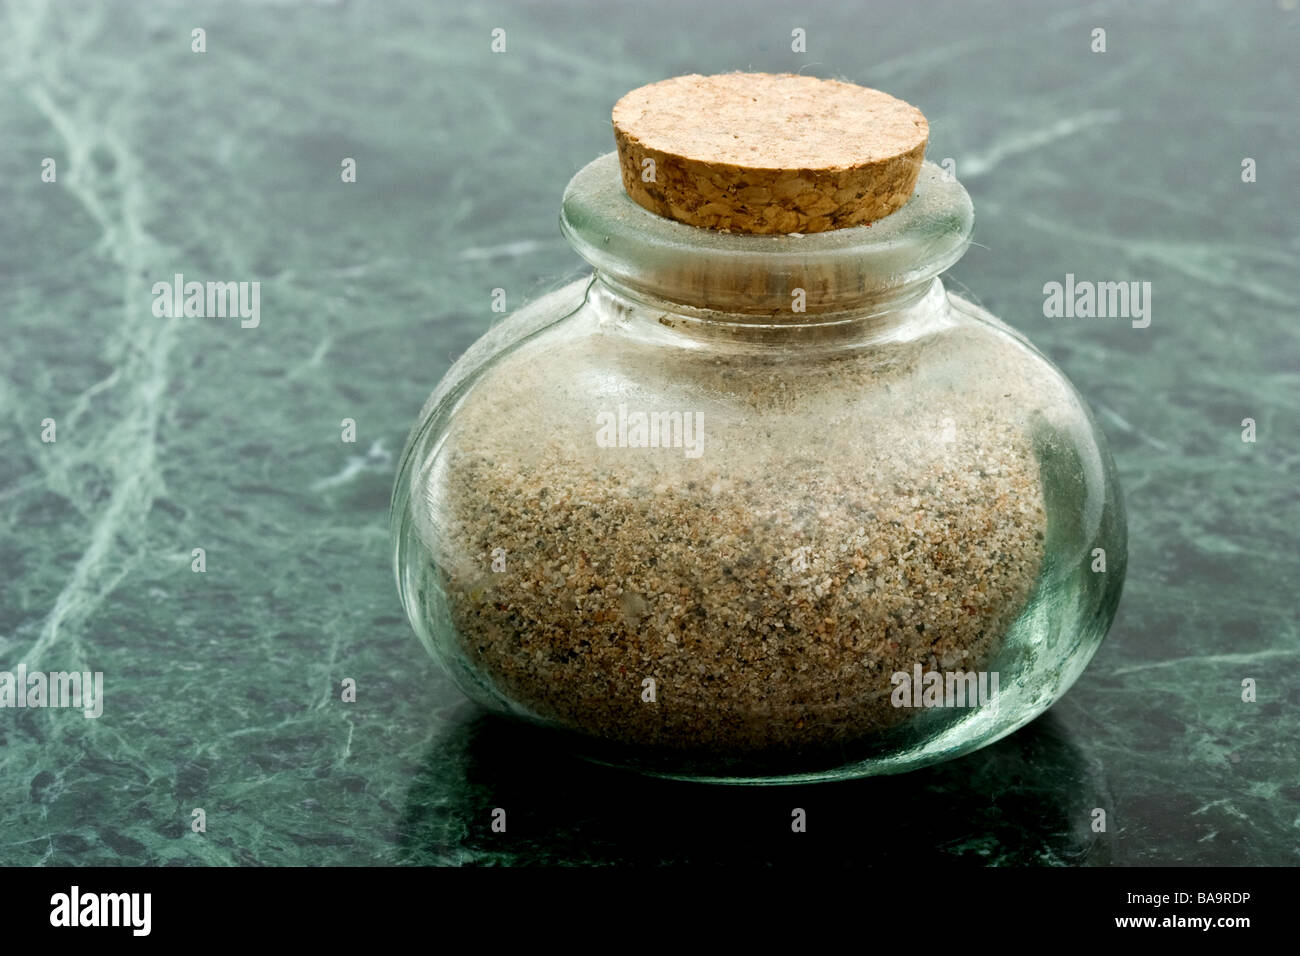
pixel 759 509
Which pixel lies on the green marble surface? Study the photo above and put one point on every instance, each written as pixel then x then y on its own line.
pixel 222 689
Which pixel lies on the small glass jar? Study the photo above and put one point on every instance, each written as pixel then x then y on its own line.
pixel 760 509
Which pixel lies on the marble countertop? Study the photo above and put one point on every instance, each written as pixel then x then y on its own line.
pixel 222 688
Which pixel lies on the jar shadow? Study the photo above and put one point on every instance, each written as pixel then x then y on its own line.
pixel 1029 799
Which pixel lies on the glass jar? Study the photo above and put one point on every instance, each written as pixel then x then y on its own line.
pixel 760 509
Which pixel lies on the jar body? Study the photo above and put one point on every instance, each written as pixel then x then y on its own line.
pixel 717 552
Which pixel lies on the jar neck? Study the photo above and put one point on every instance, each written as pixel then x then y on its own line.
pixel 799 285
pixel 906 312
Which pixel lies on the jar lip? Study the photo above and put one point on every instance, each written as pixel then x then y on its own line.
pixel 700 266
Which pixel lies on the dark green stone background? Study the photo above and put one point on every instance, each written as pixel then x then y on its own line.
pixel 222 689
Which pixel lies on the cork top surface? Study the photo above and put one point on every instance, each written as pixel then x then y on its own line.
pixel 771 121
pixel 768 153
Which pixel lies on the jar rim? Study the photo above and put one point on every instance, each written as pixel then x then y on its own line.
pixel 745 273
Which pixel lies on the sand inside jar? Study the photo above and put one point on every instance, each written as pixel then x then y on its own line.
pixel 772 586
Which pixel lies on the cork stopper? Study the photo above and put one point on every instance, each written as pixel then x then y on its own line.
pixel 768 153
